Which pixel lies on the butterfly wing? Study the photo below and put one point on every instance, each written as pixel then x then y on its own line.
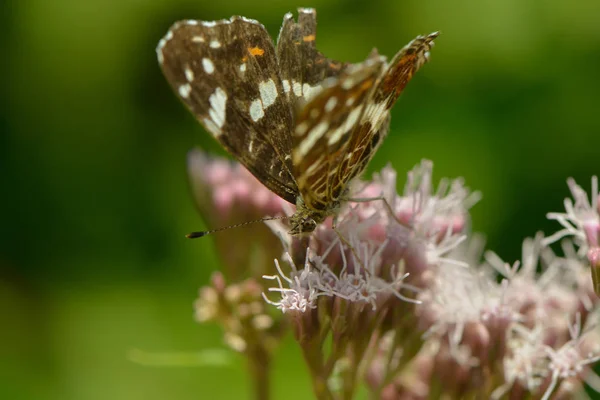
pixel 374 123
pixel 226 73
pixel 338 131
pixel 323 128
pixel 302 67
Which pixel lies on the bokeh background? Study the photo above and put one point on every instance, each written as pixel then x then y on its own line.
pixel 93 143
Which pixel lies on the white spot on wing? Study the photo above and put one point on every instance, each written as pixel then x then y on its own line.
pixel 347 126
pixel 336 134
pixel 252 21
pixel 375 113
pixel 198 39
pixel 161 44
pixel 312 137
pixel 286 85
pixel 297 88
pixel 310 91
pixel 184 90
pixel 215 44
pixel 256 110
pixel 305 89
pixel 217 107
pixel 208 65
pixel 189 74
pixel 268 92
pixel 353 117
pixel 243 67
pixel 301 128
pixel 209 24
pixel 211 127
pixel 330 105
pixel 348 83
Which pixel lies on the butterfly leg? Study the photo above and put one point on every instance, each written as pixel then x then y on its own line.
pixel 351 247
pixel 387 206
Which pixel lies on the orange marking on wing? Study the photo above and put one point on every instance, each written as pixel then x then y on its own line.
pixel 256 51
pixel 366 84
pixel 309 38
pixel 401 74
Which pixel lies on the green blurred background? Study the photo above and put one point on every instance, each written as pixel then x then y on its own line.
pixel 93 262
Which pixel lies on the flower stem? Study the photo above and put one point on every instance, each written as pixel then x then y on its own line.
pixel 259 362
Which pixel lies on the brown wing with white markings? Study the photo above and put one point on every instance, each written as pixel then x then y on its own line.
pixel 323 129
pixel 302 67
pixel 374 123
pixel 226 73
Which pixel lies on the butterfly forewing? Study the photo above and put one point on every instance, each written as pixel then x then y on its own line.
pixel 302 67
pixel 226 73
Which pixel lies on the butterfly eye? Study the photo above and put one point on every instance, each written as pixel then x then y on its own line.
pixel 309 225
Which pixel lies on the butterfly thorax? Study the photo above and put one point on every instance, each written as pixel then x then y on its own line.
pixel 305 220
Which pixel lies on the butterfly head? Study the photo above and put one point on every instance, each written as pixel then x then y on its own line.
pixel 302 224
pixel 304 220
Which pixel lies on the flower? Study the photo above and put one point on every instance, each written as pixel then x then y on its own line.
pixel 572 359
pixel 363 278
pixel 541 369
pixel 239 310
pixel 302 292
pixel 398 290
pixel 581 220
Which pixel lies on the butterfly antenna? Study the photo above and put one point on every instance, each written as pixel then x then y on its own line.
pixel 199 234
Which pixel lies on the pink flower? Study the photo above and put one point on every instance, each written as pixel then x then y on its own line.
pixel 581 219
pixel 398 285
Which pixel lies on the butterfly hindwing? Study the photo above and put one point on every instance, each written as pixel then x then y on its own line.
pixel 323 128
pixel 226 73
pixel 374 123
pixel 402 68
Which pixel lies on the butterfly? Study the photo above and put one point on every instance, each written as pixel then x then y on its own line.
pixel 303 124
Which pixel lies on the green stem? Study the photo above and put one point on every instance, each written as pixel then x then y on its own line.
pixel 312 352
pixel 259 362
pixel 596 278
